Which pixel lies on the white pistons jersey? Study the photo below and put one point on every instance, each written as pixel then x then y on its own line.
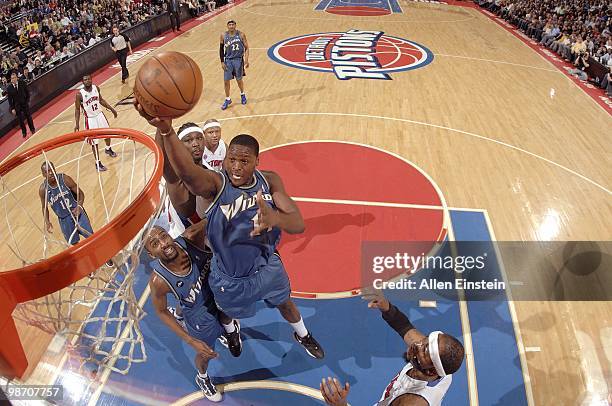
pixel 214 160
pixel 432 392
pixel 90 101
pixel 94 116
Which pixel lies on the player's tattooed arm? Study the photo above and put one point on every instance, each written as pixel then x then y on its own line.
pixel 77 111
pixel 196 234
pixel 222 53
pixel 104 103
pixel 288 216
pixel 42 193
pixel 199 181
pixel 246 49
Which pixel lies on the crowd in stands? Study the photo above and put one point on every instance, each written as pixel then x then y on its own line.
pixel 578 31
pixel 43 33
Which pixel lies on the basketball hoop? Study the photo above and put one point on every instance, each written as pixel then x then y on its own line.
pixel 120 238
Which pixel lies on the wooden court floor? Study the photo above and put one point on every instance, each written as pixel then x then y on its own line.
pixel 480 119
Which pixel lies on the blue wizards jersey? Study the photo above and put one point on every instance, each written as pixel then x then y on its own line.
pixel 231 218
pixel 60 198
pixel 191 290
pixel 233 45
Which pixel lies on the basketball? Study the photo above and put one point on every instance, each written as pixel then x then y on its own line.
pixel 168 85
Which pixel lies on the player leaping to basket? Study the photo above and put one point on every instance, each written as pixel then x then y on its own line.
pixel 248 211
pixel 66 199
pixel 181 268
pixel 89 99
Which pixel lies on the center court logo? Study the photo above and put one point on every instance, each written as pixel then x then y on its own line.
pixel 354 54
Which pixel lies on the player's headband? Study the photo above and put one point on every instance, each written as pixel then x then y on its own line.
pixel 188 130
pixel 211 125
pixel 434 352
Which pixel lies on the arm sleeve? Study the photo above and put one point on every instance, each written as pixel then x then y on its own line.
pixel 221 52
pixel 397 320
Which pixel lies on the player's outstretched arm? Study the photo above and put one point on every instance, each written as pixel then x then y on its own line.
pixel 246 49
pixel 42 193
pixel 196 234
pixel 288 216
pixel 199 181
pixel 183 202
pixel 393 316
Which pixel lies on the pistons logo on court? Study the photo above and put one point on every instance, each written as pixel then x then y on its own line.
pixel 355 54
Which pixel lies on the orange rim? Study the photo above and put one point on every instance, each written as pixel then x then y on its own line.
pixel 77 261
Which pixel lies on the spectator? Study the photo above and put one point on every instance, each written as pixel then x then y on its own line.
pixel 210 4
pixel 3 86
pixel 27 75
pixel 38 68
pixel 581 62
pixel 606 83
pixel 19 100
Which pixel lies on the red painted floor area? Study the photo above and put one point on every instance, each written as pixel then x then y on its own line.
pixel 335 170
pixel 327 257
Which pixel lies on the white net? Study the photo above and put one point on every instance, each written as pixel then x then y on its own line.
pixel 98 316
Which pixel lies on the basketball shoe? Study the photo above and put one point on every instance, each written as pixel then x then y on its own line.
pixel 312 347
pixel 208 388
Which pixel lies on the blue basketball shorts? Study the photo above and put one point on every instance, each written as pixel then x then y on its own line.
pixel 235 69
pixel 236 297
pixel 203 325
pixel 71 232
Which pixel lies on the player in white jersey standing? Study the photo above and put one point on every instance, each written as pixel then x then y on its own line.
pixel 430 362
pixel 215 149
pixel 89 99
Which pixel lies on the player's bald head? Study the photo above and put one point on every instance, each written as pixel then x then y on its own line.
pixel 47 165
pixel 154 233
pixel 451 353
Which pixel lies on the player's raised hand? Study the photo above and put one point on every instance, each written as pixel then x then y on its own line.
pixel 163 124
pixel 333 392
pixel 203 348
pixel 266 217
pixel 376 300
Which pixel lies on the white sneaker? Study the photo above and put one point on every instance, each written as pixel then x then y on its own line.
pixel 208 388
